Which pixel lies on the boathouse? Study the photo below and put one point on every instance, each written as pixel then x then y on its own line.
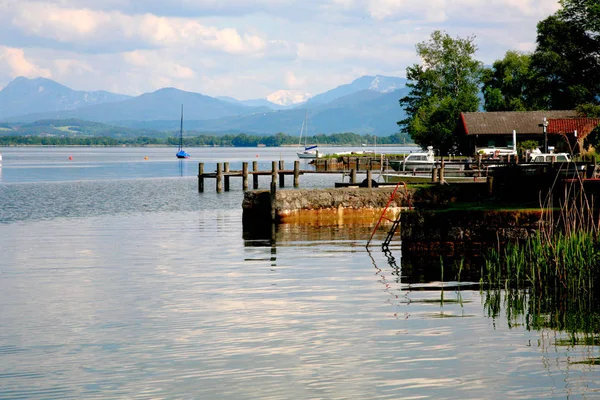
pixel 561 129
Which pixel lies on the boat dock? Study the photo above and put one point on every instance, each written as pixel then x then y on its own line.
pixel 223 175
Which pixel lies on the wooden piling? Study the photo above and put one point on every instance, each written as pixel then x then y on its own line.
pixel 369 178
pixel 245 176
pixel 442 169
pixel 255 176
pixel 490 184
pixel 296 173
pixel 353 175
pixel 219 178
pixel 273 176
pixel 200 177
pixel 281 175
pixel 434 174
pixel 226 176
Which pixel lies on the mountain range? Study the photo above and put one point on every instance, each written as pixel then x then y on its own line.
pixel 369 104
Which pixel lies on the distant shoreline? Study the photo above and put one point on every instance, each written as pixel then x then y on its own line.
pixel 239 147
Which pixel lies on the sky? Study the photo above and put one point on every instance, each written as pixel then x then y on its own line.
pixel 245 49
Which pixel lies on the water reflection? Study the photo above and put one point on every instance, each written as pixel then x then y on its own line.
pixel 183 167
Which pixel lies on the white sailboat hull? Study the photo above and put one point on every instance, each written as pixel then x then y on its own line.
pixel 309 154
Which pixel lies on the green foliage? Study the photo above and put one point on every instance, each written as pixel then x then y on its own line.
pixel 528 145
pixel 239 140
pixel 443 86
pixel 584 13
pixel 588 110
pixel 562 73
pixel 507 84
pixel 566 62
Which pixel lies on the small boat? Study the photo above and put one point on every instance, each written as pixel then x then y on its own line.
pixel 421 161
pixel 310 152
pixel 181 153
pixel 426 178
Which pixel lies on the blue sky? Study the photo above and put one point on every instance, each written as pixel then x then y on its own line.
pixel 244 48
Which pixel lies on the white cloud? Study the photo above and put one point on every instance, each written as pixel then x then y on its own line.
pixel 15 63
pixel 116 30
pixel 244 48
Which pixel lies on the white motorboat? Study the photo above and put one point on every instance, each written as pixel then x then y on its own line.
pixel 421 161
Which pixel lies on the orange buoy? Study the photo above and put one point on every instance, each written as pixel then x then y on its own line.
pixel 145 158
pixel 70 158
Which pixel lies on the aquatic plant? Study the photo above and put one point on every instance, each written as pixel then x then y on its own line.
pixel 551 276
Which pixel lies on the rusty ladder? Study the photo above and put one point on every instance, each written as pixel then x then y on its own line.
pixel 395 223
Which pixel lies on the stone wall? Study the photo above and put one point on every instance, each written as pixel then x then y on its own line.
pixel 325 206
pixel 465 230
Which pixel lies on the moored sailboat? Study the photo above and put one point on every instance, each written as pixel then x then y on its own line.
pixel 181 153
pixel 311 151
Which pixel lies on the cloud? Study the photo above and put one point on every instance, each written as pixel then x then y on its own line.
pixel 244 48
pixel 15 63
pixel 120 31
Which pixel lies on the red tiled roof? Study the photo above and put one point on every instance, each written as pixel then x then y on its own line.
pixel 570 125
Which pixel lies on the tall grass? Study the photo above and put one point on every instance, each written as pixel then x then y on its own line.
pixel 556 270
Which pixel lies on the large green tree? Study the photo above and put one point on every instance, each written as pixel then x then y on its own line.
pixel 507 84
pixel 445 84
pixel 566 62
pixel 585 13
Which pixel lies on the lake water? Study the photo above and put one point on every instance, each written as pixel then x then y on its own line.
pixel 119 280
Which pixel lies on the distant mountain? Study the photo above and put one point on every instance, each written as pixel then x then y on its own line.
pixel 288 98
pixel 25 96
pixel 367 105
pixel 163 104
pixel 252 102
pixel 362 112
pixel 377 83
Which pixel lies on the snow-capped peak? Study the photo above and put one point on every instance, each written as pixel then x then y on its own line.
pixel 383 84
pixel 288 97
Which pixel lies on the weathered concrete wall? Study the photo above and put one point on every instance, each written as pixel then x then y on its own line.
pixel 325 206
pixel 449 232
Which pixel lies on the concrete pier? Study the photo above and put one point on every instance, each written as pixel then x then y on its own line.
pixel 324 206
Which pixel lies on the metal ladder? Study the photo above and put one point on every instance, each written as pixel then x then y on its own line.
pixel 395 223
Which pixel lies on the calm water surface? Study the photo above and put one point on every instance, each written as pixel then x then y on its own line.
pixel 119 280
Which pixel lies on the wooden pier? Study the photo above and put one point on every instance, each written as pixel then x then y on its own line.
pixel 223 175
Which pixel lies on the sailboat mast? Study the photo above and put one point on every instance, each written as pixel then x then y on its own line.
pixel 303 129
pixel 181 130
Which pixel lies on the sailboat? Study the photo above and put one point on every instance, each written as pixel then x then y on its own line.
pixel 309 151
pixel 181 153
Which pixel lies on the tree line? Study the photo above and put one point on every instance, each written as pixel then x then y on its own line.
pixel 562 73
pixel 239 140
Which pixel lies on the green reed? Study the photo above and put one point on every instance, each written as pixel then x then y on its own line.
pixel 563 253
pixel 551 275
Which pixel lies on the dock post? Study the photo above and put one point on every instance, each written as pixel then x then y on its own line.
pixel 226 175
pixel 442 168
pixel 245 176
pixel 273 177
pixel 200 177
pixel 255 176
pixel 490 185
pixel 281 175
pixel 296 173
pixel 369 178
pixel 353 175
pixel 434 175
pixel 273 189
pixel 219 178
